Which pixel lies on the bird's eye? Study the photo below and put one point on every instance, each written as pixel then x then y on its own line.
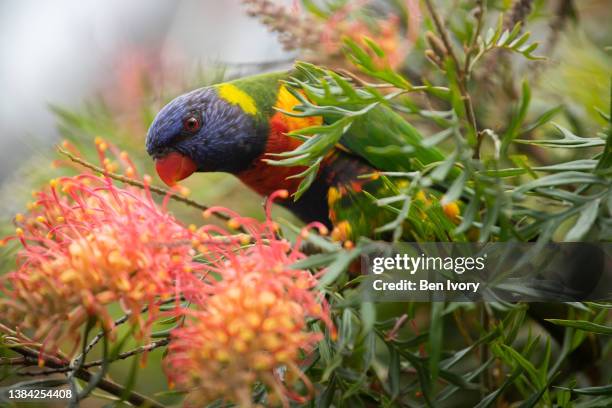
pixel 191 124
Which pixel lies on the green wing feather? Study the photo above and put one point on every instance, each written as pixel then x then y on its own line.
pixel 380 137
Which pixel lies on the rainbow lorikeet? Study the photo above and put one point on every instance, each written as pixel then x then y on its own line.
pixel 234 127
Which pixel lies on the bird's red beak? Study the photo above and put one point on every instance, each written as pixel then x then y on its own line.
pixel 174 167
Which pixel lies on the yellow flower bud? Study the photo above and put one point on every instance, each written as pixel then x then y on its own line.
pixel 451 210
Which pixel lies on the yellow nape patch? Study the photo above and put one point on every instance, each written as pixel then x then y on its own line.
pixel 232 94
pixel 287 102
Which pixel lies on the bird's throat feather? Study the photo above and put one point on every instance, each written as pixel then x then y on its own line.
pixel 265 178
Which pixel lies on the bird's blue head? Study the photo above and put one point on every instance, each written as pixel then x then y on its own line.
pixel 201 131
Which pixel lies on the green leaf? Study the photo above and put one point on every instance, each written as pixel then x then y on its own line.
pixel 315 261
pixel 605 162
pixel 310 176
pixel 599 305
pixel 436 326
pixel 535 397
pixel 525 364
pixel 569 140
pixel 565 178
pixel 369 355
pixel 346 335
pixel 452 389
pixel 340 265
pixel 368 317
pixel 583 325
pixel 488 400
pixel 600 390
pixel 394 371
pixel 442 169
pixel 458 380
pixel 517 119
pixel 366 64
pixel 574 165
pixel 455 190
pixel 543 369
pixel 326 398
pixel 563 398
pixel 510 40
pixel 469 215
pixel 118 347
pixel 585 221
pixel 458 356
pixel 542 119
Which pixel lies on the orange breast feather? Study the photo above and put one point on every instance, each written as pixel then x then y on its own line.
pixel 264 178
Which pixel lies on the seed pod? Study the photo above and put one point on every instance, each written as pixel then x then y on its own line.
pixel 433 57
pixel 436 44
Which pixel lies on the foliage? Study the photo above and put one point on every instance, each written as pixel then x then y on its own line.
pixel 517 176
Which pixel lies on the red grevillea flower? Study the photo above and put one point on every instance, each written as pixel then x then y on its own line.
pixel 87 243
pixel 254 325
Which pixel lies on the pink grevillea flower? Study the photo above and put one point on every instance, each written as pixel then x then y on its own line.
pixel 322 38
pixel 348 21
pixel 254 325
pixel 87 243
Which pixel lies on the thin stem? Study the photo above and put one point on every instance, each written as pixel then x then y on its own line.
pixel 392 334
pixel 93 383
pixel 59 363
pixel 443 33
pixel 77 363
pixel 121 356
pixel 462 329
pixel 462 74
pixel 518 14
pixel 127 354
pixel 473 46
pixel 486 322
pixel 107 385
pixel 119 322
pixel 17 361
pixel 479 138
pixel 363 83
pixel 136 183
pixel 472 49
